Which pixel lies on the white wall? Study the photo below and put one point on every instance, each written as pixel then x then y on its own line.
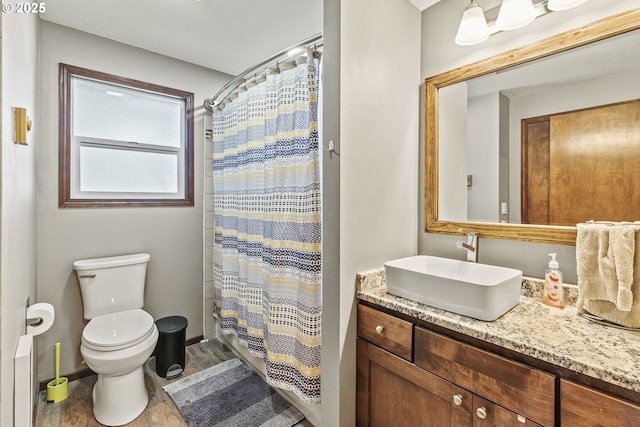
pixel 453 151
pixel 439 54
pixel 504 152
pixel 332 361
pixel 172 235
pixel 379 95
pixel 484 157
pixel 18 194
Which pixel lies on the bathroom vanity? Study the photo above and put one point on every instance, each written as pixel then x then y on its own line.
pixel 535 365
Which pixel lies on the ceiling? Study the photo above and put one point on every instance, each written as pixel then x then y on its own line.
pixel 226 35
pixel 423 4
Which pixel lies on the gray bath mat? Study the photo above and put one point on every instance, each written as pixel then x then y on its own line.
pixel 230 395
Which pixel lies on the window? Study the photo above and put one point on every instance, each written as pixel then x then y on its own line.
pixel 123 142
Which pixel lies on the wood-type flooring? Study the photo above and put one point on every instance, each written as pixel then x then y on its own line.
pixel 76 410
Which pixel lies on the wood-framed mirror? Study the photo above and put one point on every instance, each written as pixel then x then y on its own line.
pixel 447 152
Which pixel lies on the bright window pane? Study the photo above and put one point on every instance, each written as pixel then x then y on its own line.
pixel 125 143
pixel 121 114
pixel 127 171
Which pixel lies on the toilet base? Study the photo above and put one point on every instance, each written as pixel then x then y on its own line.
pixel 118 400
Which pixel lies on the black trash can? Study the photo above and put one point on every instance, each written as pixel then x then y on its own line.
pixel 170 347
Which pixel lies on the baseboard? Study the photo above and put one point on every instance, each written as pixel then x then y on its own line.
pixel 71 377
pixel 194 340
pixel 42 385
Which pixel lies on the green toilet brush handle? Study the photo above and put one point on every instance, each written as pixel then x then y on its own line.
pixel 57 362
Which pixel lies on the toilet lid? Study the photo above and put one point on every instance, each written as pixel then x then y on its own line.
pixel 119 330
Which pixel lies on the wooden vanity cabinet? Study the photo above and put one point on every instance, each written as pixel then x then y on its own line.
pixel 394 392
pixel 582 406
pixel 441 382
pixel 386 331
pixel 520 389
pixel 488 414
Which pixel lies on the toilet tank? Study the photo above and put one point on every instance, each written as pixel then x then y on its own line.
pixel 112 284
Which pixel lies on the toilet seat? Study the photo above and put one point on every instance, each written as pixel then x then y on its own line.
pixel 117 331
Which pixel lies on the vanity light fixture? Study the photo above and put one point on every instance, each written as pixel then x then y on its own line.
pixel 476 26
pixel 558 5
pixel 473 27
pixel 515 14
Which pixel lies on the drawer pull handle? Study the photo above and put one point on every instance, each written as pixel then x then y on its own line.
pixel 379 329
pixel 457 399
pixel 481 413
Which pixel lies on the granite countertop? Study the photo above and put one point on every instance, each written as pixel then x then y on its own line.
pixel 555 335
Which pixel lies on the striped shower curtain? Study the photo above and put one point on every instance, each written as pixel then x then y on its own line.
pixel 267 259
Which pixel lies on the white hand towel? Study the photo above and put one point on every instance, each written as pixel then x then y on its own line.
pixel 605 263
pixel 608 310
pixel 622 242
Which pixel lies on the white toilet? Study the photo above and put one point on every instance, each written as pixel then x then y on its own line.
pixel 119 337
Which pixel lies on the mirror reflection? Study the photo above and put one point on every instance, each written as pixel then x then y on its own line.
pixel 555 141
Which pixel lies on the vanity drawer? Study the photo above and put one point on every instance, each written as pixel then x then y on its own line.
pixel 584 406
pixel 517 387
pixel 386 331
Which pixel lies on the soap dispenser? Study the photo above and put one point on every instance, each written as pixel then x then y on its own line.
pixel 553 293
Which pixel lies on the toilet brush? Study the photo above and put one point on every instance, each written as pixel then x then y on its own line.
pixel 58 388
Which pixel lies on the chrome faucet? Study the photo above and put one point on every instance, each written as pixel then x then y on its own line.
pixel 471 245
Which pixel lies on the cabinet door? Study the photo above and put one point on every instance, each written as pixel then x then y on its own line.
pixel 510 384
pixel 392 392
pixel 584 406
pixel 488 414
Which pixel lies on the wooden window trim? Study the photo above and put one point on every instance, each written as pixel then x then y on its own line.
pixel 64 163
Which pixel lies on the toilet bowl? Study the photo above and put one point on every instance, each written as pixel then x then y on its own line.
pixel 115 346
pixel 119 337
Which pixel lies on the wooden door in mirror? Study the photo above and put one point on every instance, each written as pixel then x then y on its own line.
pixel 577 151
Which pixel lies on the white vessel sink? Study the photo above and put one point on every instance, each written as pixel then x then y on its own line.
pixel 481 291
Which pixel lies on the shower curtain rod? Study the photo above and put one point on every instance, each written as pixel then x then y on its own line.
pixel 209 103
